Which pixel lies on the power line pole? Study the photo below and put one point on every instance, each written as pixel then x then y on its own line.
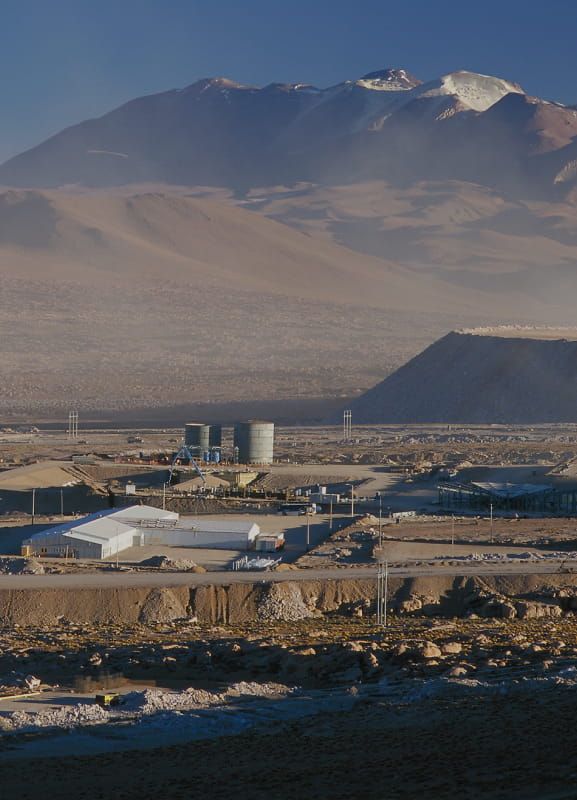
pixel 352 498
pixel 382 593
pixel 331 515
pixel 308 530
pixel 73 425
pixel 491 507
pixel 347 425
pixel 33 505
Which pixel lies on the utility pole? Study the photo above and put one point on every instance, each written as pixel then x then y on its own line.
pixel 453 534
pixel 347 425
pixel 331 515
pixel 308 530
pixel 73 425
pixel 352 499
pixel 491 507
pixel 164 496
pixel 33 505
pixel 61 502
pixel 380 521
pixel 382 593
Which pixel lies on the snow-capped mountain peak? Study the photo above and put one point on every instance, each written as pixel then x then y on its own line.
pixel 476 92
pixel 213 84
pixel 388 80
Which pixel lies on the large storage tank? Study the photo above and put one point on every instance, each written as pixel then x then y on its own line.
pixel 215 436
pixel 197 436
pixel 255 442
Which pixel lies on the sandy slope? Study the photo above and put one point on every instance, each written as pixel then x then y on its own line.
pixel 151 298
pixel 155 237
pixel 522 253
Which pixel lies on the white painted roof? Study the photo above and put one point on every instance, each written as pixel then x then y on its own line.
pixel 102 526
pixel 222 525
pixel 142 512
pixel 99 530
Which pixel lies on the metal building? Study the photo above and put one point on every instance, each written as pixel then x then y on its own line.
pixel 197 436
pixel 255 441
pixel 108 533
pixel 100 535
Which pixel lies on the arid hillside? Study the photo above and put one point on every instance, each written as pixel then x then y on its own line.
pixel 134 299
pixel 116 301
pixel 521 252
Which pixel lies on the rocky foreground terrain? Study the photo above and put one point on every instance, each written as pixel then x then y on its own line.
pixel 474 708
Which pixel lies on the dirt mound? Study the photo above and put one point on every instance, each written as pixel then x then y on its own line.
pixel 282 603
pixel 506 375
pixel 161 605
pixel 169 564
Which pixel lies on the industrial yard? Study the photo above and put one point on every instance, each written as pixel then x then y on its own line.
pixel 206 586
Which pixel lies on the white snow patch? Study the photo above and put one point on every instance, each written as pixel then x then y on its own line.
pixel 477 92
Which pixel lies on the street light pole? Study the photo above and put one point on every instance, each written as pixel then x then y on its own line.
pixel 352 499
pixel 386 589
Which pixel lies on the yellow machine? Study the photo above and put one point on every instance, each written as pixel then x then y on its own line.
pixel 107 700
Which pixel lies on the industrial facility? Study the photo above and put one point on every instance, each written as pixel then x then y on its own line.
pixel 254 442
pixel 105 534
pixel 518 497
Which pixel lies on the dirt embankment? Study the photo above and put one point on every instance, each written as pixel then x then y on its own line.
pixel 291 601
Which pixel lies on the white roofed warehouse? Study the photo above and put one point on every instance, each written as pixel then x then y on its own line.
pixel 105 534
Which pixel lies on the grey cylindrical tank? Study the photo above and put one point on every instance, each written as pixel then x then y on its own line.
pixel 196 436
pixel 255 442
pixel 215 436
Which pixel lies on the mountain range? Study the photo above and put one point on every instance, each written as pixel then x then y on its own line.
pixel 386 125
pixel 227 242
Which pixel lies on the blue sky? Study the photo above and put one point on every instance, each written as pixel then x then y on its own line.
pixel 62 61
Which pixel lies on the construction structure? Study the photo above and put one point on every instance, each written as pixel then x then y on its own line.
pixel 517 497
pixel 255 442
pixel 106 534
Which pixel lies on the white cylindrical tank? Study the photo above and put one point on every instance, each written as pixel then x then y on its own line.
pixel 255 442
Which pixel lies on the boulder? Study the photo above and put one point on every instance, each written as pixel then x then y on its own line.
pixel 429 650
pixel 527 609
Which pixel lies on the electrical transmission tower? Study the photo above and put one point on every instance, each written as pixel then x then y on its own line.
pixel 73 425
pixel 347 424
